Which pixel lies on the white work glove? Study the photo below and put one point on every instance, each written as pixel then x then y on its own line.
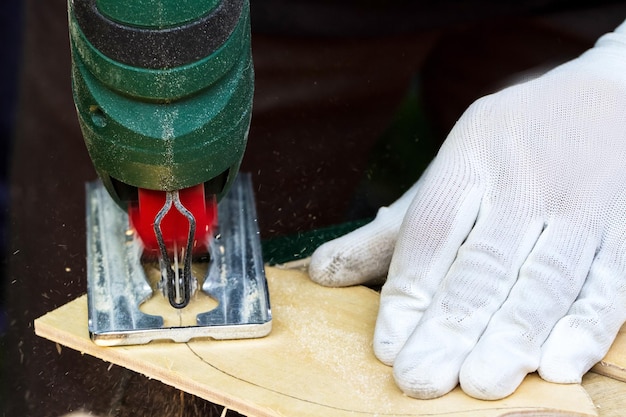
pixel 510 251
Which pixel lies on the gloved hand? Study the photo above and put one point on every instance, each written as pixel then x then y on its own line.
pixel 509 254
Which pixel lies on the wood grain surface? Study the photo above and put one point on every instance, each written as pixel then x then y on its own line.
pixel 317 361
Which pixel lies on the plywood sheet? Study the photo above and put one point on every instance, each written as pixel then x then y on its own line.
pixel 318 361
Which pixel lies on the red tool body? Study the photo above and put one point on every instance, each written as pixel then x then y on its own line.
pixel 174 226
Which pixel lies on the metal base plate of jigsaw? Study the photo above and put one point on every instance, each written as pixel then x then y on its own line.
pixel 117 284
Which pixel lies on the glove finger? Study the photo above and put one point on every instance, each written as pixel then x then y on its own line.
pixel 436 223
pixel 548 283
pixel 475 287
pixel 582 338
pixel 362 255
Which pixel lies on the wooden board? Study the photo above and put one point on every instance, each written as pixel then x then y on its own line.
pixel 318 361
pixel 608 394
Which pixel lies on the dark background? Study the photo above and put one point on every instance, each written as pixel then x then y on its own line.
pixel 352 100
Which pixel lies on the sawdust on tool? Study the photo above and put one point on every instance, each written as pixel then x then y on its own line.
pixel 158 305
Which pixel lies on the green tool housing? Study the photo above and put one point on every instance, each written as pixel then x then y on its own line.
pixel 163 91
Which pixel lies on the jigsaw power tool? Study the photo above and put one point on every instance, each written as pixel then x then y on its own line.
pixel 163 91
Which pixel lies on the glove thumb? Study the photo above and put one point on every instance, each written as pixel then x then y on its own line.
pixel 364 255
